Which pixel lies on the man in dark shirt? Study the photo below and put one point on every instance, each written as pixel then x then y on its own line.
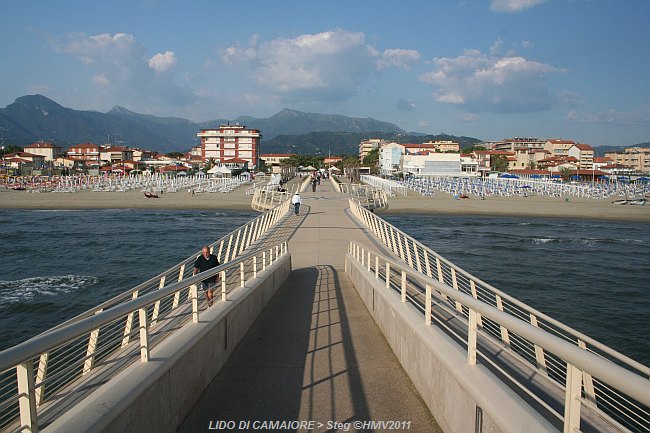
pixel 204 262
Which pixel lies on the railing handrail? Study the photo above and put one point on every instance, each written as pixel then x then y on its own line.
pixel 632 384
pixel 44 342
pixel 587 339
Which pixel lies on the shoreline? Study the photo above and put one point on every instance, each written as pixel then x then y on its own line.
pixel 237 200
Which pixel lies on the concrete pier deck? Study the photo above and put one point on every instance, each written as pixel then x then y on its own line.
pixel 315 353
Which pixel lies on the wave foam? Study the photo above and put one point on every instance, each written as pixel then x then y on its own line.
pixel 27 289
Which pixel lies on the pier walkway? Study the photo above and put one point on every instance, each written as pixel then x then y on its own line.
pixel 315 352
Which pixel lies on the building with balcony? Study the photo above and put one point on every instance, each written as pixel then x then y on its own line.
pixel 559 147
pixel 87 153
pixel 229 142
pixel 48 150
pixel 584 153
pixel 637 158
pixel 366 146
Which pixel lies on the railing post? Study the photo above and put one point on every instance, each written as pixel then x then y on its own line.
pixel 156 307
pixel 92 346
pixel 471 338
pixel 454 282
pixel 479 320
pixel 387 275
pixel 255 266
pixel 26 397
pixel 263 260
pixel 223 286
pixel 587 379
pixel 368 261
pixel 403 286
pixel 144 335
pixel 377 267
pixel 572 399
pixel 129 324
pixel 408 251
pixel 220 249
pixel 242 274
pixel 41 374
pixel 195 303
pixel 539 351
pixel 177 295
pixel 428 306
pixel 234 250
pixel 225 258
pixel 505 337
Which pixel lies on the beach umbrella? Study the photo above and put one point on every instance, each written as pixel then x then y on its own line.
pixel 556 176
pixel 535 176
pixel 575 176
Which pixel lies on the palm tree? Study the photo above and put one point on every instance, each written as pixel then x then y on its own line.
pixel 565 172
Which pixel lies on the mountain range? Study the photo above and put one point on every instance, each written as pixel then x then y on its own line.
pixel 34 117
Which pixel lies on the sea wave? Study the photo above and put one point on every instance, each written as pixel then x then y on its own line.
pixel 28 289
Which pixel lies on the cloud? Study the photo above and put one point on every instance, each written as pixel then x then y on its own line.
pixel 163 62
pixel 470 117
pixel 405 104
pixel 400 58
pixel 125 72
pixel 329 65
pixel 512 6
pixel 490 82
pixel 613 117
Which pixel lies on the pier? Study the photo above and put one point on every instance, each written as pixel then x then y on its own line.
pixel 332 316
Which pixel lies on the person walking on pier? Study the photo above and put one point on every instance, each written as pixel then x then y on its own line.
pixel 296 201
pixel 202 263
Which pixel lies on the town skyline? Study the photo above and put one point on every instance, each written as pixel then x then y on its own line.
pixel 457 67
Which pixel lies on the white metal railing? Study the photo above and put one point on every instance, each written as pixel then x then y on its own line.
pixel 619 404
pixel 269 196
pixel 368 196
pixel 38 371
pixel 390 186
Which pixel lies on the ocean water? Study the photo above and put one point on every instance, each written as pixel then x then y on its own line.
pixel 55 264
pixel 592 275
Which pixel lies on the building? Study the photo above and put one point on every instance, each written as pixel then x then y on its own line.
pixel 115 154
pixel 390 158
pixel 88 153
pixel 558 147
pixel 28 158
pixel 366 146
pixel 228 142
pixel 584 154
pixel 275 158
pixel 432 164
pixel 512 144
pixel 637 158
pixel 48 150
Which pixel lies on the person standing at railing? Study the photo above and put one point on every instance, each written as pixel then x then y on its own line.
pixel 202 263
pixel 296 201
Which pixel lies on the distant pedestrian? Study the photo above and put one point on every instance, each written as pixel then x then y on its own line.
pixel 202 263
pixel 314 181
pixel 296 200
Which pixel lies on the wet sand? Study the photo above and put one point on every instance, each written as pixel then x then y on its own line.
pixel 441 203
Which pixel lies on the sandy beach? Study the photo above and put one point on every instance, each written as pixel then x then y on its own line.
pixel 441 203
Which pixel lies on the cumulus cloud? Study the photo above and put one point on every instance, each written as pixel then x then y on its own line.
pixel 163 62
pixel 123 69
pixel 406 105
pixel 399 58
pixel 490 82
pixel 613 117
pixel 512 6
pixel 329 65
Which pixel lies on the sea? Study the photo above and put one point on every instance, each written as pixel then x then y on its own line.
pixel 593 275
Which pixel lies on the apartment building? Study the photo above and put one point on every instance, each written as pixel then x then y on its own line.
pixel 584 153
pixel 48 150
pixel 637 158
pixel 88 153
pixel 229 143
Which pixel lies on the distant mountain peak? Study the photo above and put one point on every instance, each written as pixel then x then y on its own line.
pixel 118 109
pixel 37 101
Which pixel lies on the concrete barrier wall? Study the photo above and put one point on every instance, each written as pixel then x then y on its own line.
pixel 156 396
pixel 438 367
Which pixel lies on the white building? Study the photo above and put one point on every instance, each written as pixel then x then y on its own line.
pixel 433 164
pixel 230 142
pixel 390 158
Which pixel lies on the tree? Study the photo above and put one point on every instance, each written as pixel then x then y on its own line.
pixel 499 163
pixel 372 159
pixel 175 154
pixel 565 172
pixel 532 165
pixel 472 149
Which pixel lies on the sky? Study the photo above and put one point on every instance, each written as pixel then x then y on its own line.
pixel 489 69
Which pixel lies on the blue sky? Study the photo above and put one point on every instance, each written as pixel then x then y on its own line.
pixel 491 69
